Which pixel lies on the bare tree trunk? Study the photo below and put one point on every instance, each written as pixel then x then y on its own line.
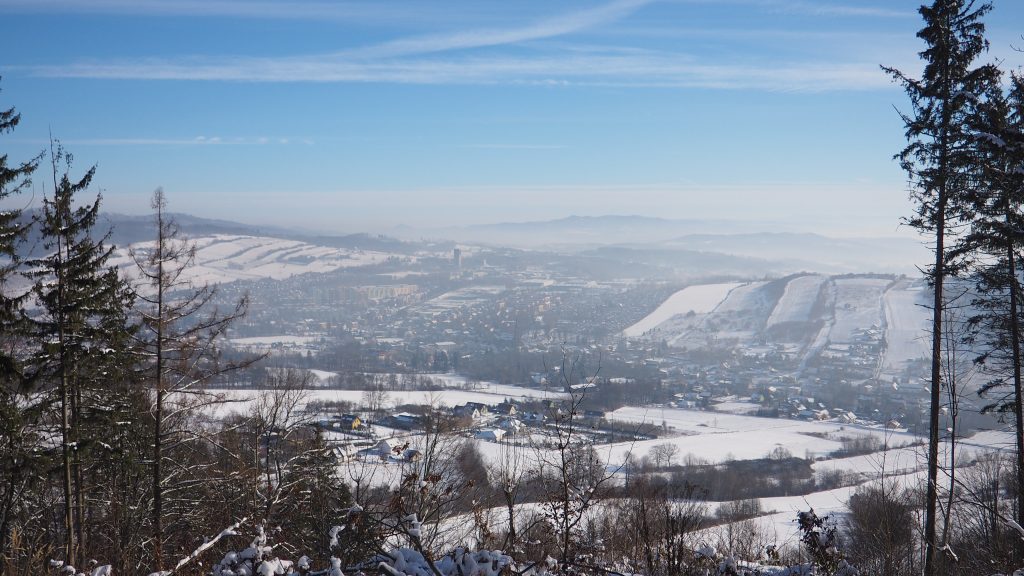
pixel 65 446
pixel 158 515
pixel 65 400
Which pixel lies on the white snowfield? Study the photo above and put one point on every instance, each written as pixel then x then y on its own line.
pixel 700 299
pixel 717 437
pixel 897 467
pixel 227 258
pixel 797 302
pixel 779 526
pixel 453 394
pixel 858 306
pixel 740 316
pixel 271 340
pixel 906 321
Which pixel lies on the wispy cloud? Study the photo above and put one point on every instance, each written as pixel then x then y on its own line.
pixel 545 28
pixel 196 141
pixel 826 9
pixel 454 58
pixel 375 11
pixel 296 10
pixel 816 8
pixel 639 69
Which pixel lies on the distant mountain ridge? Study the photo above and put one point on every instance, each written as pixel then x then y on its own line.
pixel 892 254
pixel 652 239
pixel 703 247
pixel 130 229
pixel 574 231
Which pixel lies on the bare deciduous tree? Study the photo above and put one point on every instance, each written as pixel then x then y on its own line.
pixel 178 342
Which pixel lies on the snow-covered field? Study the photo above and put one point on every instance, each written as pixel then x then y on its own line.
pixel 239 400
pixel 268 343
pixel 227 258
pixel 744 311
pixel 798 300
pixel 735 406
pixel 699 299
pixel 779 527
pixel 271 340
pixel 458 299
pixel 717 437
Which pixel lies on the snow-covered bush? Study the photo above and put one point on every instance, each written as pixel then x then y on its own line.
pixel 821 541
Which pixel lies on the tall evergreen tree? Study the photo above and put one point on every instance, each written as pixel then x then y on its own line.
pixel 17 439
pixel 997 238
pixel 942 169
pixel 13 180
pixel 78 330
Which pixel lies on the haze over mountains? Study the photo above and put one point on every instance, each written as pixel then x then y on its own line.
pixel 693 248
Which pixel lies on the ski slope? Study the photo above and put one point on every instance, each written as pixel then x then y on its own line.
pixel 907 319
pixel 797 302
pixel 699 299
pixel 858 307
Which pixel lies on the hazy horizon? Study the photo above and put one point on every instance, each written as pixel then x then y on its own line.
pixel 358 117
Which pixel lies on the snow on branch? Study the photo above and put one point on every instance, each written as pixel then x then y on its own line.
pixel 229 531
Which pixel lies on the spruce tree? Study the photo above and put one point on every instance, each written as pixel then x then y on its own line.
pixel 18 439
pixel 314 498
pixel 14 179
pixel 997 240
pixel 78 331
pixel 942 169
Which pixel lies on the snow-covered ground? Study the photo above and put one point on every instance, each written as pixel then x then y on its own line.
pixel 699 299
pixel 779 526
pixel 739 317
pixel 858 306
pixel 227 258
pixel 270 343
pixel 271 340
pixel 906 323
pixel 717 437
pixel 798 300
pixel 736 406
pixel 458 299
pixel 239 400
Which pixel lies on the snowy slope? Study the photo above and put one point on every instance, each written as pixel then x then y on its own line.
pixel 797 303
pixel 906 321
pixel 699 299
pixel 858 306
pixel 227 258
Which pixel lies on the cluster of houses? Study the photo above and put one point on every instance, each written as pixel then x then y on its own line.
pixel 352 437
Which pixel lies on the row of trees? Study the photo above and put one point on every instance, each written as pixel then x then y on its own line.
pixel 965 161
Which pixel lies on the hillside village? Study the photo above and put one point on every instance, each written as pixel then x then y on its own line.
pixel 795 347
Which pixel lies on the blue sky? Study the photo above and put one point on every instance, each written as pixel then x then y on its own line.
pixel 358 116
